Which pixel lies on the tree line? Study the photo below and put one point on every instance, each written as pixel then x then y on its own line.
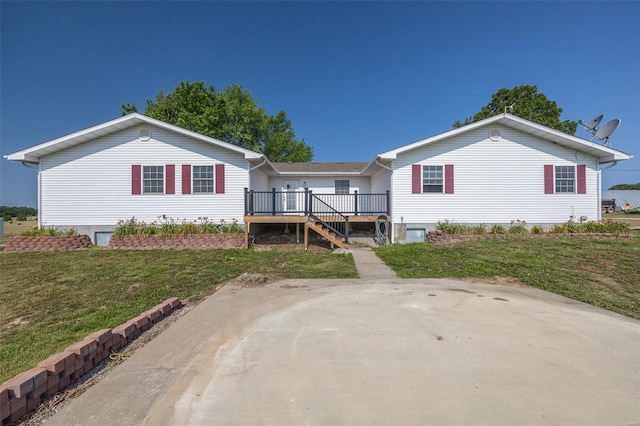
pixel 20 213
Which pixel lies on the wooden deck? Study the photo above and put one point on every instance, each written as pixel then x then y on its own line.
pixel 298 220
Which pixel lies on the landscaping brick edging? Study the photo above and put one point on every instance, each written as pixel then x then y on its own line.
pixel 441 237
pixel 47 243
pixel 191 241
pixel 27 390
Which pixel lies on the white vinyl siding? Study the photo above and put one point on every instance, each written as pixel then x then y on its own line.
pixel 73 193
pixel 495 181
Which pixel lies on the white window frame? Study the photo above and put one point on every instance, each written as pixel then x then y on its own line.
pixel 197 189
pixel 340 188
pixel 428 175
pixel 150 176
pixel 563 183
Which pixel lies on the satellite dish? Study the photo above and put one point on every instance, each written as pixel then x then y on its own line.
pixel 593 124
pixel 607 130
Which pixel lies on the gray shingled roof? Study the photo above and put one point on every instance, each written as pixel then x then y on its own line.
pixel 339 167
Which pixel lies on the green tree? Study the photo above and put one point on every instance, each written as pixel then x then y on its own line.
pixel 232 115
pixel 627 186
pixel 528 104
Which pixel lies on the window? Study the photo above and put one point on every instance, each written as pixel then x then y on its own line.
pixel 202 179
pixel 342 186
pixel 565 179
pixel 432 178
pixel 153 179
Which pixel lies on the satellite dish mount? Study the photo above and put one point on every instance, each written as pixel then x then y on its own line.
pixel 603 133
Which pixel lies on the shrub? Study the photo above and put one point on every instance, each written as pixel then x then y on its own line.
pixel 605 226
pixel 498 229
pixel 166 226
pixel 537 229
pixel 50 231
pixel 453 228
pixel 21 218
pixel 479 229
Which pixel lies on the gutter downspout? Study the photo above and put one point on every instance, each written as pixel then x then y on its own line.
pixel 39 190
pixel 393 224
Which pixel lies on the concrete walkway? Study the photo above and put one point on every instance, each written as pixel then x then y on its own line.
pixel 377 351
pixel 369 266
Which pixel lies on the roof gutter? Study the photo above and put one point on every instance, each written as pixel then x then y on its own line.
pixel 24 163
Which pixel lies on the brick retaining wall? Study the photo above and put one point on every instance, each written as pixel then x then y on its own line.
pixel 47 243
pixel 27 390
pixel 441 237
pixel 195 241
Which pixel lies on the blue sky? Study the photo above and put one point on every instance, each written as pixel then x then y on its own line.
pixel 355 78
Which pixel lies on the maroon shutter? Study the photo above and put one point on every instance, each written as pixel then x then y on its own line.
pixel 448 178
pixel 136 179
pixel 416 179
pixel 170 182
pixel 548 179
pixel 186 179
pixel 582 178
pixel 219 178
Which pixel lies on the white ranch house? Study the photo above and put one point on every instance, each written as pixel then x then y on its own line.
pixel 501 169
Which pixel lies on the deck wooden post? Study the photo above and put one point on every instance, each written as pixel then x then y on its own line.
pixel 306 236
pixel 297 233
pixel 246 235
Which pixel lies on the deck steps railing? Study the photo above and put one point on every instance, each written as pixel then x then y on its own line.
pixel 273 203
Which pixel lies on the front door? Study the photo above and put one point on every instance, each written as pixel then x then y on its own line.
pixel 290 196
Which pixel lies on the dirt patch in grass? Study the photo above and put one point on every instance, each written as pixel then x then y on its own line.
pixel 503 281
pixel 287 242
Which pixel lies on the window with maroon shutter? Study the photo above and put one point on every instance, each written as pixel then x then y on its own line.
pixel 582 178
pixel 170 181
pixel 448 178
pixel 548 179
pixel 565 179
pixel 416 179
pixel 136 179
pixel 432 179
pixel 202 179
pixel 186 179
pixel 219 178
pixel 153 179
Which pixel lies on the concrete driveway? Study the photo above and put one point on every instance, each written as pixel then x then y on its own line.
pixel 387 352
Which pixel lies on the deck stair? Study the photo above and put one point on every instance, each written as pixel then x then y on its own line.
pixel 326 230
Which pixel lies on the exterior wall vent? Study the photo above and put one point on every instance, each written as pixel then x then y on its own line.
pixel 144 134
pixel 494 135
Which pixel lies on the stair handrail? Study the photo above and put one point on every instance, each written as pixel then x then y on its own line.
pixel 332 211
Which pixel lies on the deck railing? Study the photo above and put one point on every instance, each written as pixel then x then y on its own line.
pixel 272 203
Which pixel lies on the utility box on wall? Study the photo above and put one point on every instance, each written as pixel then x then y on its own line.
pixel 1 226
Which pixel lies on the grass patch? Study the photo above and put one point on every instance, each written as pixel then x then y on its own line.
pixel 15 228
pixel 50 300
pixel 599 271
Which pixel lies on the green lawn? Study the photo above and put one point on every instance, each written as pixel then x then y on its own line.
pixel 599 271
pixel 50 300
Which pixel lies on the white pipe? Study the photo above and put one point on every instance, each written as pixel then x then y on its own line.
pixel 383 166
pixel 259 165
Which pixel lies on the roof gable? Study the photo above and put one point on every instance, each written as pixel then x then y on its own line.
pixel 34 153
pixel 603 153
